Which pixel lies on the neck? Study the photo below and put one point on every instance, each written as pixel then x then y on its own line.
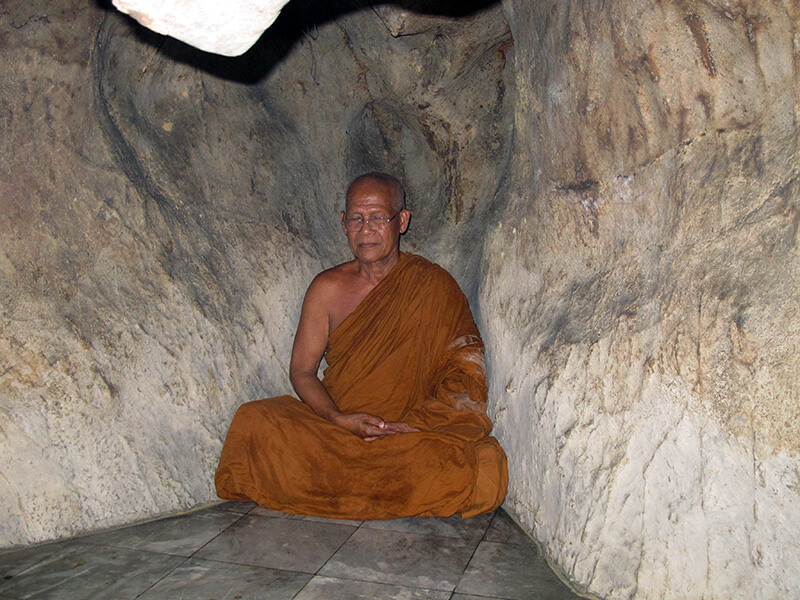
pixel 375 272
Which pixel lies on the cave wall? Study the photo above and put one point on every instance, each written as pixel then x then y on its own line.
pixel 614 186
pixel 163 211
pixel 639 295
pixel 146 286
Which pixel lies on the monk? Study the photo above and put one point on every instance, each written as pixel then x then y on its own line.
pixel 397 427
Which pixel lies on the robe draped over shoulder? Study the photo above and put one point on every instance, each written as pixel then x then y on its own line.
pixel 409 352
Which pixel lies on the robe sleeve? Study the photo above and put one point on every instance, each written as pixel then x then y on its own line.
pixel 456 404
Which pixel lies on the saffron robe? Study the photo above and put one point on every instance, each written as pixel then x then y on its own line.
pixel 409 352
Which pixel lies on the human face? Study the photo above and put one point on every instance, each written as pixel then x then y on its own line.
pixel 368 199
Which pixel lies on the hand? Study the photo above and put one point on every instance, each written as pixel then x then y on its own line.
pixel 392 427
pixel 398 427
pixel 369 427
pixel 366 426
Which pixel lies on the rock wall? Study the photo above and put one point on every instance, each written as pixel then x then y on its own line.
pixel 163 211
pixel 614 185
pixel 146 286
pixel 639 296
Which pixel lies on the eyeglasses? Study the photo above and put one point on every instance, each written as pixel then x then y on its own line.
pixel 356 224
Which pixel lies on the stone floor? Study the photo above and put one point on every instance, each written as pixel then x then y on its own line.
pixel 236 551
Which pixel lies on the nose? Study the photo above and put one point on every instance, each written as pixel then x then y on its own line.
pixel 366 227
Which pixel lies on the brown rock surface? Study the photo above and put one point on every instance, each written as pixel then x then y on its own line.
pixel 639 296
pixel 164 210
pixel 615 186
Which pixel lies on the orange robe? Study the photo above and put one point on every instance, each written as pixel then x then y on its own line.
pixel 409 352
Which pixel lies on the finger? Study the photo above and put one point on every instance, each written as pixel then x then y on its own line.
pixel 375 421
pixel 400 427
pixel 369 430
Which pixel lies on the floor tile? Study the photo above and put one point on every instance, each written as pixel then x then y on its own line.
pixel 471 529
pixel 198 579
pixel 396 557
pixel 290 544
pixel 512 571
pixel 180 536
pixel 504 529
pixel 267 512
pixel 82 571
pixel 277 554
pixel 331 588
pixel 14 561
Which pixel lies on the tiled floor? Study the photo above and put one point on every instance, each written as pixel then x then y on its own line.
pixel 238 551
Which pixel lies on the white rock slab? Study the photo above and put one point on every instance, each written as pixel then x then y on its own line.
pixel 227 28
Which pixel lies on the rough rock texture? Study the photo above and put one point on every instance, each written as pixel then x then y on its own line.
pixel 639 296
pixel 146 286
pixel 164 210
pixel 616 189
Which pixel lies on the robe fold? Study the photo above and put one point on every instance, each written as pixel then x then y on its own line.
pixel 409 352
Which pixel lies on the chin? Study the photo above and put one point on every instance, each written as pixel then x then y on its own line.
pixel 373 253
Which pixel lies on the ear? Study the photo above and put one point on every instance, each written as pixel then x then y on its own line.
pixel 405 219
pixel 341 215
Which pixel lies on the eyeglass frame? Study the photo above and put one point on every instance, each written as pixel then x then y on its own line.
pixel 365 221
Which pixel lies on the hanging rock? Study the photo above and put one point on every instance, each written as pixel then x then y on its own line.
pixel 227 28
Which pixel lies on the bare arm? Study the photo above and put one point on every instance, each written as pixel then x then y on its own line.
pixel 309 347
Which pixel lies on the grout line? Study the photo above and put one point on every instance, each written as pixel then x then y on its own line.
pixel 231 524
pixel 316 573
pixel 474 550
pixel 160 579
pixel 352 533
pixel 407 586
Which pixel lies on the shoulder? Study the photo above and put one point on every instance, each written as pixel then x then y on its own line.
pixel 333 279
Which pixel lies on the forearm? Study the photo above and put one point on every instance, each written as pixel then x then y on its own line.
pixel 366 426
pixel 311 391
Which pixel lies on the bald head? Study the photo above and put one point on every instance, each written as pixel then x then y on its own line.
pixel 392 185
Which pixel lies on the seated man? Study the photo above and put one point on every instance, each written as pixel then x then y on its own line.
pixel 397 426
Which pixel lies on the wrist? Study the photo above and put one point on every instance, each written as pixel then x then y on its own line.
pixel 334 416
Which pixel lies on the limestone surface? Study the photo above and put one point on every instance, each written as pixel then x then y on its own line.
pixel 614 185
pixel 141 299
pixel 639 296
pixel 163 211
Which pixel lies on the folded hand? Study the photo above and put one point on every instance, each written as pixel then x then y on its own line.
pixel 369 427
